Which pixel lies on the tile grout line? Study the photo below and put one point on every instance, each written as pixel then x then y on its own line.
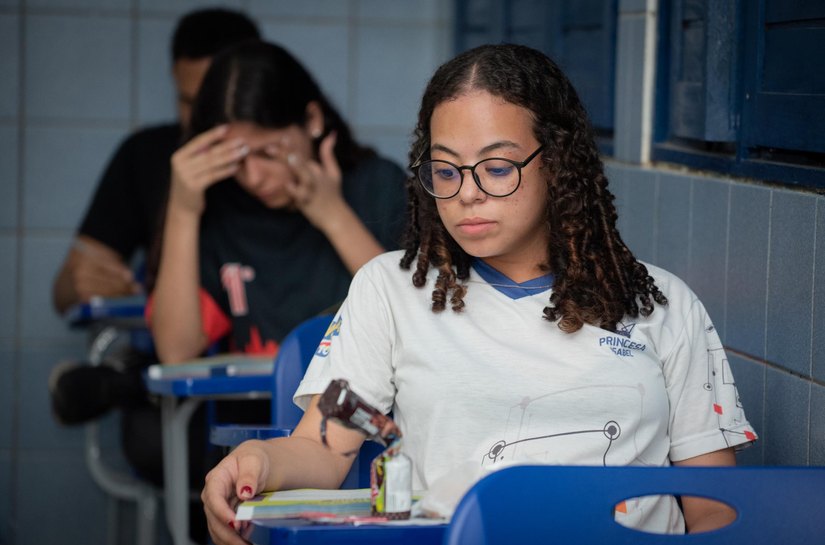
pixel 134 56
pixel 19 254
pixel 765 331
pixel 727 262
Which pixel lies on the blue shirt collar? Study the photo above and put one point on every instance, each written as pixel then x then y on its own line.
pixel 508 287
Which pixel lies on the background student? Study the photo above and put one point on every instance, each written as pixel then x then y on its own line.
pixel 125 212
pixel 526 319
pixel 124 219
pixel 273 206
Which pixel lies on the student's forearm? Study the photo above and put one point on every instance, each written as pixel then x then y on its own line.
pixel 299 462
pixel 91 268
pixel 302 461
pixel 176 318
pixel 351 239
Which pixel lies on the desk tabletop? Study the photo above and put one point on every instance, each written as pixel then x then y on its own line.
pixel 223 374
pixel 250 385
pixel 301 532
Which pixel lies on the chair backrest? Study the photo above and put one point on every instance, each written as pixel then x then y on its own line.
pixel 293 358
pixel 562 504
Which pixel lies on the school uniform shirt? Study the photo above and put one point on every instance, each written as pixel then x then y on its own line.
pixel 264 271
pixel 497 383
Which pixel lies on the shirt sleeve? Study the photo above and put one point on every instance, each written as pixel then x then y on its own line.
pixel 357 347
pixel 705 412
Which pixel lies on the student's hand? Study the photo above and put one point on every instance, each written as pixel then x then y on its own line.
pixel 97 270
pixel 206 159
pixel 237 478
pixel 317 187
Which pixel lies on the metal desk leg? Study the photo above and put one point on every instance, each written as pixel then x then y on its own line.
pixel 118 485
pixel 175 417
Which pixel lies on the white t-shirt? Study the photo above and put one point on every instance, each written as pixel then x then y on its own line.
pixel 499 383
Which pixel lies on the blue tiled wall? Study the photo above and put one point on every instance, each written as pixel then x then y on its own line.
pixel 76 76
pixel 751 253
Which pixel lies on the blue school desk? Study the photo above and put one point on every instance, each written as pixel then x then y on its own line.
pixel 121 311
pixel 180 396
pixel 294 532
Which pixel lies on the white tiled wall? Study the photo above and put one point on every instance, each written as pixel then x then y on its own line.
pixel 8 176
pixel 154 87
pixel 9 63
pixel 77 77
pixel 77 67
pixel 61 171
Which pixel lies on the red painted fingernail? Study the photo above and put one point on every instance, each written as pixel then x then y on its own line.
pixel 232 524
pixel 246 491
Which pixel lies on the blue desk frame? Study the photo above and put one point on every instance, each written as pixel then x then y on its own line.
pixel 180 398
pixel 280 532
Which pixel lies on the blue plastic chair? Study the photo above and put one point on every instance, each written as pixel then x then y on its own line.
pixel 561 504
pixel 294 355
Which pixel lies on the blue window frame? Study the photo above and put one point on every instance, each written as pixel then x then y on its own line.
pixel 741 88
pixel 580 35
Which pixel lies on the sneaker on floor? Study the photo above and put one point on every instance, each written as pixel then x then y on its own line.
pixel 81 392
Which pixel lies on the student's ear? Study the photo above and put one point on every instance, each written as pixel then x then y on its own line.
pixel 314 120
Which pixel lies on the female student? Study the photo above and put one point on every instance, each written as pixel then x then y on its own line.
pixel 272 207
pixel 528 331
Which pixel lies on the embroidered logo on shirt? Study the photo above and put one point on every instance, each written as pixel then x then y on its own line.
pixel 625 329
pixel 332 331
pixel 233 278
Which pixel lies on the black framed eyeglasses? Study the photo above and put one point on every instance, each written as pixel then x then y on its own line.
pixel 497 177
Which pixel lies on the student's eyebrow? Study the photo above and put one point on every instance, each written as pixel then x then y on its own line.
pixel 502 144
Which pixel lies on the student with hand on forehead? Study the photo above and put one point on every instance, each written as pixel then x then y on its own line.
pixel 518 328
pixel 273 206
pixel 126 212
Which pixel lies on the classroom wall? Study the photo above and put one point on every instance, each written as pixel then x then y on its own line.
pixel 754 252
pixel 75 77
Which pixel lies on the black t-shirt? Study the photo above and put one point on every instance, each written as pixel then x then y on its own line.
pixel 125 213
pixel 282 268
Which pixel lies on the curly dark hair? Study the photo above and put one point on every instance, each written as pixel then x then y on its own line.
pixel 597 280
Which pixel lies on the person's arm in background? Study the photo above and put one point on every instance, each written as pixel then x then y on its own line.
pixel 90 269
pixel 112 228
pixel 318 196
pixel 176 320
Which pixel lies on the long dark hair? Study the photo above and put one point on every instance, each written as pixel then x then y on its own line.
pixel 263 83
pixel 597 280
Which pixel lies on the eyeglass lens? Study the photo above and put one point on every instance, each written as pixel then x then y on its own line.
pixel 496 177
